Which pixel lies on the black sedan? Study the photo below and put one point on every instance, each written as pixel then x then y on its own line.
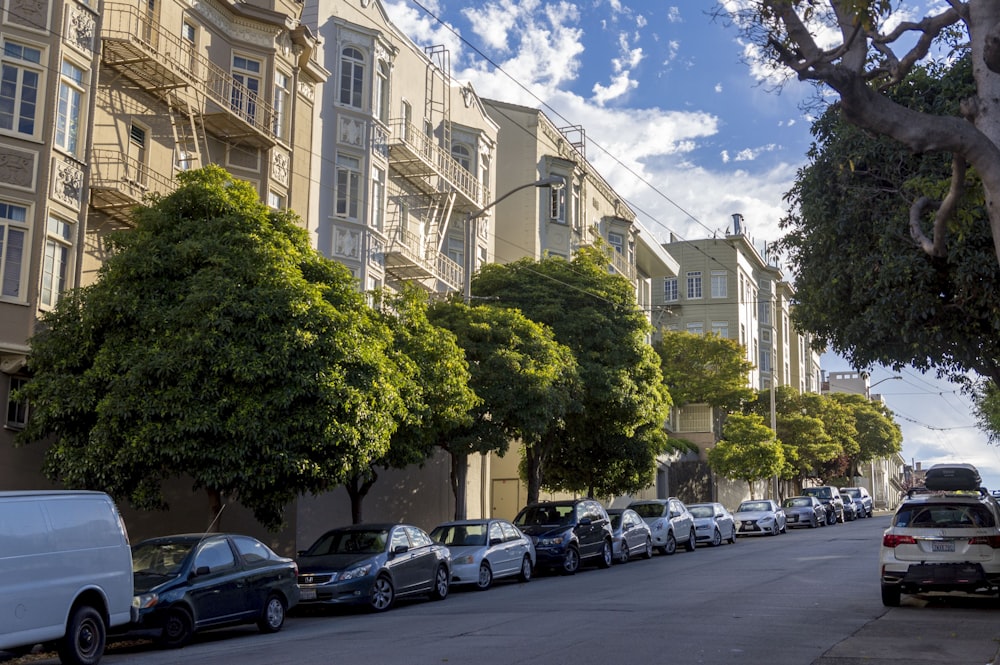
pixel 186 583
pixel 373 564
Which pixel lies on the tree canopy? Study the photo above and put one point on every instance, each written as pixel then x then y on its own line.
pixel 216 345
pixel 748 450
pixel 704 369
pixel 596 315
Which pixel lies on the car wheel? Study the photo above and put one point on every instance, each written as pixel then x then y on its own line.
pixel 814 523
pixel 526 569
pixel 441 581
pixel 571 562
pixel 607 555
pixel 648 552
pixel 692 542
pixel 890 595
pixel 382 594
pixel 831 519
pixel 623 552
pixel 178 627
pixel 86 633
pixel 732 536
pixel 485 580
pixel 273 616
pixel 671 545
pixel 716 539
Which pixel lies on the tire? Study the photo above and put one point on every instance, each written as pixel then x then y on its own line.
pixel 273 617
pixel 648 552
pixel 382 595
pixel 716 538
pixel 441 583
pixel 85 637
pixel 623 553
pixel 732 536
pixel 178 627
pixel 607 555
pixel 775 530
pixel 890 595
pixel 671 546
pixel 831 518
pixel 692 542
pixel 485 580
pixel 571 562
pixel 527 570
pixel 814 523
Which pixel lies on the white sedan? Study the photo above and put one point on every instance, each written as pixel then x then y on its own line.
pixel 761 516
pixel 486 549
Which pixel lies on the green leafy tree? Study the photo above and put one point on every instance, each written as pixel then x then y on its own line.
pixel 878 435
pixel 525 382
pixel 704 369
pixel 434 372
pixel 595 314
pixel 748 450
pixel 215 344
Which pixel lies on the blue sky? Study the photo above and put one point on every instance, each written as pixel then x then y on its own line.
pixel 683 128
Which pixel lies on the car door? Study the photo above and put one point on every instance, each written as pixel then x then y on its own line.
pixel 218 590
pixel 725 521
pixel 499 549
pixel 587 530
pixel 422 558
pixel 400 563
pixel 682 521
pixel 516 544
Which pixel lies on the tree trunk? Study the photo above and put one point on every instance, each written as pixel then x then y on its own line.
pixel 357 488
pixel 750 484
pixel 459 475
pixel 533 473
pixel 214 510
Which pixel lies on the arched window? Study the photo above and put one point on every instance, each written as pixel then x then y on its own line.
pixel 352 76
pixel 463 155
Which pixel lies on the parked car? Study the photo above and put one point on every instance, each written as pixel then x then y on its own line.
pixel 632 536
pixel 713 523
pixel 941 542
pixel 191 582
pixel 804 511
pixel 65 572
pixel 830 497
pixel 484 550
pixel 373 565
pixel 568 533
pixel 850 508
pixel 670 521
pixel 759 517
pixel 861 498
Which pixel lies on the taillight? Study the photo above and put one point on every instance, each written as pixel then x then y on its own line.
pixel 891 540
pixel 992 541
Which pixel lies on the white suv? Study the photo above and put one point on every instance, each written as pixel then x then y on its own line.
pixel 946 541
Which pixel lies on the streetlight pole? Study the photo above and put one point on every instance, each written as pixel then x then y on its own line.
pixel 553 181
pixel 868 389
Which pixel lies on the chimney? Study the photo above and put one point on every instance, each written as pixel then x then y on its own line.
pixel 737 224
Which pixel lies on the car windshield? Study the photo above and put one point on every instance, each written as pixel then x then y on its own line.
pixel 646 510
pixel 460 535
pixel 350 541
pixel 853 493
pixel 798 502
pixel 818 492
pixel 943 515
pixel 547 515
pixel 701 511
pixel 161 557
pixel 753 506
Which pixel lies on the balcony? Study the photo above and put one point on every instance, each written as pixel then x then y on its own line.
pixel 417 157
pixel 164 65
pixel 118 183
pixel 620 263
pixel 405 260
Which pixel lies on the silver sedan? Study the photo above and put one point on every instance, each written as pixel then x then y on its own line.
pixel 484 550
pixel 713 523
pixel 804 511
pixel 760 517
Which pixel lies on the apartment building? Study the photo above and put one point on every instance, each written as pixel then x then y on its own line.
pixel 581 210
pixel 407 154
pixel 102 104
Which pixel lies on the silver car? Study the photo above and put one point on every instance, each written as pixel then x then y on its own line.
pixel 484 550
pixel 761 516
pixel 670 521
pixel 713 523
pixel 631 536
pixel 804 511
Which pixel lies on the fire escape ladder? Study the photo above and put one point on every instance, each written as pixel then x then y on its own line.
pixel 187 137
pixel 437 97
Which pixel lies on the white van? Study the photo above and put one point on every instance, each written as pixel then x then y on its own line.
pixel 65 572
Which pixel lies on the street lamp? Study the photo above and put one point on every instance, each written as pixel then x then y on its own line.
pixel 553 181
pixel 888 378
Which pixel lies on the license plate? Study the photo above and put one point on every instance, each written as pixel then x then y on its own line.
pixel 307 594
pixel 943 546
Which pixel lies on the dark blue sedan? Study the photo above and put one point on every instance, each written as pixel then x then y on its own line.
pixel 186 583
pixel 373 564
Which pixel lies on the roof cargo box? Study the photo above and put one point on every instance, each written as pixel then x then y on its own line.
pixel 952 477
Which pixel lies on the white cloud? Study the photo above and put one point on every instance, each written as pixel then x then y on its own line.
pixel 674 15
pixel 620 84
pixel 718 87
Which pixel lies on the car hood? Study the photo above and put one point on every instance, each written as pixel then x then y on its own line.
pixel 332 563
pixel 145 582
pixel 753 515
pixel 540 530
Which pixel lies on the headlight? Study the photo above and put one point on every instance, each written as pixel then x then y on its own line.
pixel 765 519
pixel 465 560
pixel 354 573
pixel 657 525
pixel 555 540
pixel 145 600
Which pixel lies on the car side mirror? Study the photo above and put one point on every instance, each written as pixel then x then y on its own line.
pixel 400 549
pixel 202 570
pixel 496 541
pixel 584 521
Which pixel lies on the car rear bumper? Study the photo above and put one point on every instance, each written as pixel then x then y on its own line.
pixel 967 577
